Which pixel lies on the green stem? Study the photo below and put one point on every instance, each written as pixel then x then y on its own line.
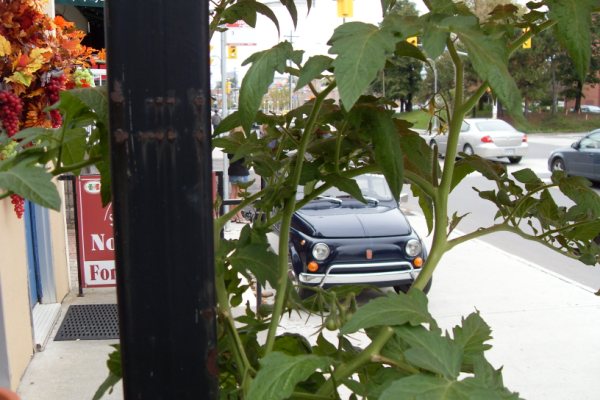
pixel 220 222
pixel 421 182
pixel 526 35
pixel 440 196
pixel 527 196
pixel 476 234
pixel 286 221
pixel 347 369
pixel 225 312
pixel 338 147
pixel 73 167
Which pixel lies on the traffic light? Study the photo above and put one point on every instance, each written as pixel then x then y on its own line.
pixel 232 51
pixel 345 8
pixel 527 43
pixel 413 40
pixel 228 87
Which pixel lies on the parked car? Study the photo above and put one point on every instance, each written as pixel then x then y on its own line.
pixel 488 138
pixel 337 240
pixel 590 109
pixel 581 159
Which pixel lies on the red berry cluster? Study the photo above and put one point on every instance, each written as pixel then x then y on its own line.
pixel 18 204
pixel 11 107
pixel 53 88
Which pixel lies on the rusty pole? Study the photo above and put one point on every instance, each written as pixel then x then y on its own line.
pixel 159 103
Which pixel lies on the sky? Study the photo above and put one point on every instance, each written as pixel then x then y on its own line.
pixel 311 34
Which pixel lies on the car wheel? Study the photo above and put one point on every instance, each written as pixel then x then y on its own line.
pixel 405 288
pixel 302 293
pixel 468 150
pixel 515 160
pixel 558 164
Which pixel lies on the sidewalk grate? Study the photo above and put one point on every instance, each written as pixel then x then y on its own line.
pixel 89 322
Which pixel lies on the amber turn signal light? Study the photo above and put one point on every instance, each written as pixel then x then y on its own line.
pixel 418 262
pixel 313 266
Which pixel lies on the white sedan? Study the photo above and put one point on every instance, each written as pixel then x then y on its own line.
pixel 488 138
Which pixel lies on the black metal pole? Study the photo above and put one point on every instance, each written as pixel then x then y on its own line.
pixel 76 220
pixel 159 94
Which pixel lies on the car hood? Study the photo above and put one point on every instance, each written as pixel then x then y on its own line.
pixel 345 223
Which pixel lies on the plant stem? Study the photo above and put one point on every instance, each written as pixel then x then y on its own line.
pixel 286 221
pixel 73 167
pixel 440 198
pixel 347 369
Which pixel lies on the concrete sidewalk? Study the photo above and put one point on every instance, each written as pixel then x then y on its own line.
pixel 545 328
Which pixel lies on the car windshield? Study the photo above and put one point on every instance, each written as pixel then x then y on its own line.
pixel 372 187
pixel 494 125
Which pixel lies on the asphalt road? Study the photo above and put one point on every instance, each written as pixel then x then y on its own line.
pixel 481 212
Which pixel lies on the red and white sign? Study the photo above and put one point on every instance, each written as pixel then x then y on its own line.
pixel 96 241
pixel 237 24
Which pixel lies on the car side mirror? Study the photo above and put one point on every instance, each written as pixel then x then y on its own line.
pixel 575 145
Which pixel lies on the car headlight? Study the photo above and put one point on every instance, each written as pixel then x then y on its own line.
pixel 320 251
pixel 413 247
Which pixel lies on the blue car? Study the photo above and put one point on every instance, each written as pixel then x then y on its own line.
pixel 339 240
pixel 581 159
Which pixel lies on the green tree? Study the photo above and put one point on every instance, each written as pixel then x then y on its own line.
pixel 572 83
pixel 400 79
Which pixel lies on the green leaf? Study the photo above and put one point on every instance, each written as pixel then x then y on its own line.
pixel 388 153
pixel 578 190
pixel 362 50
pixel 267 12
pixel 434 38
pixel 345 185
pixel 292 344
pixel 428 350
pixel 241 10
pixel 461 170
pixel 96 99
pixel 489 169
pixel 390 310
pixel 420 387
pixel 529 178
pixel 472 335
pixel 405 49
pixel 436 388
pixel 573 29
pixel 585 230
pixel 33 183
pixel 420 159
pixel 279 374
pixel 256 258
pixel 403 26
pixel 291 7
pixel 312 69
pixel 74 147
pixel 442 6
pixel 258 79
pixel 227 124
pixel 426 205
pixel 489 56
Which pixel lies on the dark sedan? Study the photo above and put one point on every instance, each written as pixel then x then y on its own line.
pixel 337 240
pixel 581 159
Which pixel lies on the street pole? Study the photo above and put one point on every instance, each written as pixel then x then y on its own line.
pixel 159 106
pixel 224 105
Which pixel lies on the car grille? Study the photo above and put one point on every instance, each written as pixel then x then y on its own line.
pixel 361 268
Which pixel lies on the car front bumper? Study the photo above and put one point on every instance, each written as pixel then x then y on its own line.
pixel 336 275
